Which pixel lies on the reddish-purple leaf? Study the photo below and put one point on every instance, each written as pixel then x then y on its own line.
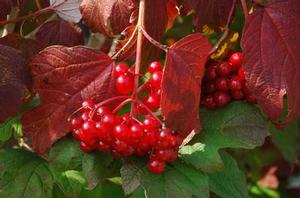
pixel 272 57
pixel 107 16
pixel 63 78
pixel 67 9
pixel 60 32
pixel 28 47
pixel 13 75
pixel 213 13
pixel 5 8
pixel 181 86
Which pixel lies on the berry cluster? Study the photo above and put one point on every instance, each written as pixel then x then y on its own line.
pixel 225 81
pixel 98 127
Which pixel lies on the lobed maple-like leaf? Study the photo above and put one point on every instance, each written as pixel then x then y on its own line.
pixel 5 8
pixel 213 13
pixel 107 16
pixel 181 85
pixel 67 9
pixel 29 47
pixel 13 77
pixel 272 57
pixel 63 78
pixel 59 32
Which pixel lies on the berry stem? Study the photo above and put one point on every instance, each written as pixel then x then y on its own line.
pixel 226 32
pixel 138 58
pixel 153 41
pixel 122 104
pixel 149 111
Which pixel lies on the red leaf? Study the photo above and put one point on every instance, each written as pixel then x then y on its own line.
pixel 60 33
pixel 272 57
pixel 172 12
pixel 13 74
pixel 28 47
pixel 181 86
pixel 63 78
pixel 107 16
pixel 5 8
pixel 67 9
pixel 213 13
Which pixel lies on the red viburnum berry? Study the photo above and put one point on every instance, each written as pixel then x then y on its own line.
pixel 120 69
pixel 125 84
pixel 154 67
pixel 156 166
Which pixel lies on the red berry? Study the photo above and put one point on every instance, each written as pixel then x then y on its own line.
pixel 76 123
pixel 119 145
pixel 209 87
pixel 110 120
pixel 128 151
pixel 241 74
pixel 120 69
pixel 236 60
pixel 173 141
pixel 237 94
pixel 222 84
pixel 235 83
pixel 221 98
pixel 211 73
pixel 142 110
pixel 88 104
pixel 103 146
pixel 76 134
pixel 209 102
pixel 85 148
pixel 121 132
pixel 85 116
pixel 102 111
pixel 116 154
pixel 155 79
pixel 156 166
pixel 155 66
pixel 136 131
pixel 126 119
pixel 124 84
pixel 163 155
pixel 152 102
pixel 150 137
pixel 151 123
pixel 224 69
pixel 102 129
pixel 89 128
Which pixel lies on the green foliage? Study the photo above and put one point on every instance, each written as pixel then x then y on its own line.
pixel 23 174
pixel 9 127
pixel 238 125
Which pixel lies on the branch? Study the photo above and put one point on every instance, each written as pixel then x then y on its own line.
pixel 153 41
pixel 245 8
pixel 225 34
pixel 27 17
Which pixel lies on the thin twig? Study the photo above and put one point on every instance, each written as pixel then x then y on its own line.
pixel 153 41
pixel 25 146
pixel 38 4
pixel 122 104
pixel 225 34
pixel 115 56
pixel 245 8
pixel 149 111
pixel 9 28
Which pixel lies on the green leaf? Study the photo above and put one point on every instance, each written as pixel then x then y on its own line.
pixel 97 166
pixel 66 155
pixel 71 183
pixel 104 190
pixel 230 182
pixel 178 181
pixel 287 140
pixel 10 126
pixel 22 174
pixel 238 125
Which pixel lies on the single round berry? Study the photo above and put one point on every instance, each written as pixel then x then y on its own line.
pixel 237 94
pixel 76 134
pixel 121 132
pixel 209 102
pixel 173 141
pixel 76 123
pixel 221 98
pixel 155 79
pixel 103 146
pixel 85 147
pixel 163 155
pixel 110 120
pixel 152 102
pixel 211 73
pixel 236 60
pixel 85 115
pixel 151 123
pixel 209 87
pixel 156 166
pixel 124 84
pixel 222 84
pixel 136 131
pixel 119 145
pixel 235 83
pixel 102 129
pixel 224 69
pixel 154 67
pixel 120 69
pixel 150 137
pixel 88 104
pixel 103 110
